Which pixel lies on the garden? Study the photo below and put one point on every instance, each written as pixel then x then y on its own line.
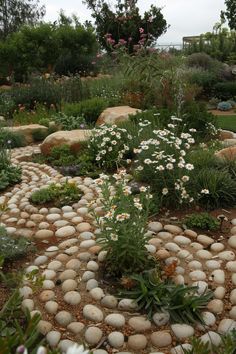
pixel 117 185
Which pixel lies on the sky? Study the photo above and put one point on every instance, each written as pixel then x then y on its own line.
pixel 185 17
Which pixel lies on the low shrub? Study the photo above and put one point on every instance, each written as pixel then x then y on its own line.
pixel 123 226
pixel 203 221
pixel 39 91
pixel 152 294
pixel 39 134
pixel 11 139
pixel 224 106
pixel 69 122
pixel 203 61
pixel 59 194
pixel 106 87
pixel 38 115
pixel 73 89
pixel 89 109
pixel 13 248
pixel 225 90
pixel 205 80
pixel 62 156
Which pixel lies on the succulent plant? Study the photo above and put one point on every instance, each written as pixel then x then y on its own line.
pixel 224 106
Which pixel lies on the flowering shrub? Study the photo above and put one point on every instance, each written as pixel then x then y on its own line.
pixel 161 162
pixel 109 146
pixel 123 225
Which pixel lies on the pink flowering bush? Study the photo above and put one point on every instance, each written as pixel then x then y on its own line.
pixel 123 225
pixel 124 25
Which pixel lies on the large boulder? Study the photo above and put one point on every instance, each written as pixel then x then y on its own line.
pixel 73 138
pixel 229 142
pixel 114 115
pixel 27 131
pixel 226 134
pixel 228 153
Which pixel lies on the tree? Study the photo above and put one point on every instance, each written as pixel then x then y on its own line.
pixel 124 25
pixel 15 13
pixel 64 47
pixel 230 13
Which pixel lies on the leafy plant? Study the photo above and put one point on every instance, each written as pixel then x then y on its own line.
pixel 16 327
pixel 69 122
pixel 12 248
pixel 60 194
pixel 123 226
pixel 203 221
pixel 154 295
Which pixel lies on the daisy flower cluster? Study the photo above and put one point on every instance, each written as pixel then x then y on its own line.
pixel 161 161
pixel 109 144
pixel 123 222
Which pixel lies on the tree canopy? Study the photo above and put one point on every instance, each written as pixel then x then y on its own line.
pixel 230 13
pixel 15 13
pixel 124 25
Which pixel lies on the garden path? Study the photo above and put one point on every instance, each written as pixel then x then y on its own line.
pixel 74 301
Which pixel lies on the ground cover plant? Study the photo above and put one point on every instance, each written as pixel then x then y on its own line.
pixel 203 221
pixel 59 194
pixel 69 122
pixel 12 248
